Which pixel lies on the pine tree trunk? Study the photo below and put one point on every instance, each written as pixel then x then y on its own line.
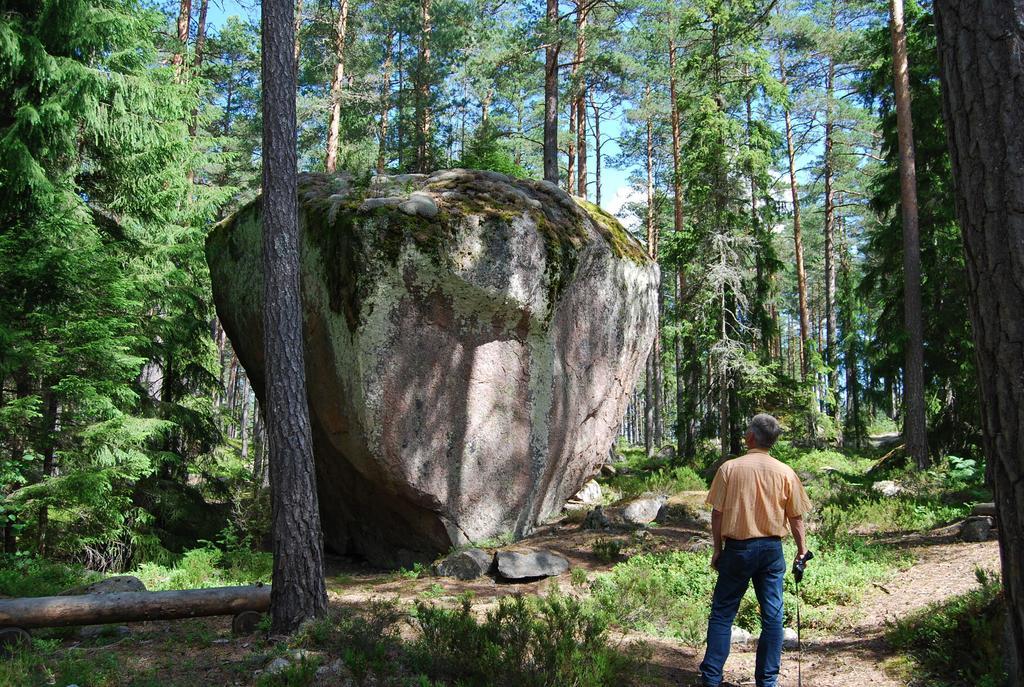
pixel 830 251
pixel 181 49
pixel 337 85
pixel 798 244
pixel 244 422
pixel 914 430
pixel 298 31
pixel 197 64
pixel 980 48
pixel 651 387
pixel 597 149
pixel 551 95
pixel 385 104
pixel 49 452
pixel 298 592
pixel 570 169
pixel 580 103
pixel 423 116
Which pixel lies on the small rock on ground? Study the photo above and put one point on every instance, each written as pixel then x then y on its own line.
pixel 465 565
pixel 887 487
pixel 276 666
pixel 740 636
pixel 642 511
pixel 590 493
pixel 521 565
pixel 596 520
pixel 977 528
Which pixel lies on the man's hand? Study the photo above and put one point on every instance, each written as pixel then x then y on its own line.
pixel 716 536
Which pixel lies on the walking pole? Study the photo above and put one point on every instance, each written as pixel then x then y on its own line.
pixel 798 574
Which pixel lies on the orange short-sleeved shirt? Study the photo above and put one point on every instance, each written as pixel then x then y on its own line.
pixel 756 494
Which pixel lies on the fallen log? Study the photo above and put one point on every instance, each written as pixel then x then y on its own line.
pixel 126 607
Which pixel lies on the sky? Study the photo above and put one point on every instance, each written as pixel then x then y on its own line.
pixel 615 188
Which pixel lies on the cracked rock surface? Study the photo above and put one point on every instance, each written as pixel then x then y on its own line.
pixel 470 342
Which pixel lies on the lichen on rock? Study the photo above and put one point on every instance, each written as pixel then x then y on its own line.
pixel 470 343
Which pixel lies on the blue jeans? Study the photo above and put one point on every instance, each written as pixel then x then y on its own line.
pixel 741 561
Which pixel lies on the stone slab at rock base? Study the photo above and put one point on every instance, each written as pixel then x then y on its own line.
pixel 589 494
pixel 527 565
pixel 988 509
pixel 643 511
pixel 470 342
pixel 110 585
pixel 465 565
pixel 977 528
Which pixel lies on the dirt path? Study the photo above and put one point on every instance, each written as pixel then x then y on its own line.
pixel 854 658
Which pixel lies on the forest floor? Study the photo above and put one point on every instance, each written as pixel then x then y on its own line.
pixel 203 651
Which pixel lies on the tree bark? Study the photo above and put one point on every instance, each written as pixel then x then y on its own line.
pixel 385 103
pixel 299 592
pixel 597 149
pixel 580 102
pixel 798 243
pixel 49 452
pixel 980 47
pixel 337 85
pixel 298 30
pixel 423 116
pixel 651 387
pixel 126 607
pixel 832 404
pixel 570 168
pixel 184 21
pixel 551 51
pixel 914 431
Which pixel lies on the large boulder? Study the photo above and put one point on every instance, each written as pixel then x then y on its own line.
pixel 470 341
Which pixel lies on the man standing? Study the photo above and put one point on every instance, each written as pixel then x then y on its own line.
pixel 753 497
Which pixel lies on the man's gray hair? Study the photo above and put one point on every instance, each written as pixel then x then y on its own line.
pixel 766 430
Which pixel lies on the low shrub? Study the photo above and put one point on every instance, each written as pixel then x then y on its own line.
pixel 958 642
pixel 669 594
pixel 523 643
pixel 32 576
pixel 607 550
pixel 658 481
pixel 43 663
pixel 208 567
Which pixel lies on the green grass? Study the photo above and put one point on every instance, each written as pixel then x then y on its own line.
pixel 529 642
pixel 669 594
pixel 43 663
pixel 815 461
pixel 662 480
pixel 956 643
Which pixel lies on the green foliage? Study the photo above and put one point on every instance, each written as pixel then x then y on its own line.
pixel 524 641
pixel 669 594
pixel 607 550
pixel 32 576
pixel 485 151
pixel 553 640
pixel 44 663
pixel 958 642
pixel 297 674
pixel 207 567
pixel 659 481
pixel 954 419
